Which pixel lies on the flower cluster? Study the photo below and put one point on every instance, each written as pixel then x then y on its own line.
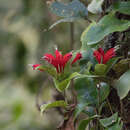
pixel 59 61
pixel 102 57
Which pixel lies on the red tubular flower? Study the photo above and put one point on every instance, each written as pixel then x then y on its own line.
pixel 77 57
pixel 59 61
pixel 102 57
pixel 34 66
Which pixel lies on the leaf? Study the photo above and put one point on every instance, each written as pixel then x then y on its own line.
pixel 79 108
pixel 83 124
pixel 123 85
pixel 48 69
pixel 53 104
pixel 97 31
pixel 70 12
pixel 87 55
pixel 72 9
pixel 89 110
pixel 95 6
pixel 62 85
pixel 111 63
pixel 70 19
pixel 122 7
pixel 104 91
pixel 100 69
pixel 109 121
pixel 117 126
pixel 121 67
pixel 86 90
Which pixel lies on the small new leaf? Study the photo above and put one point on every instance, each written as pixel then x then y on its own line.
pixel 49 70
pixel 83 124
pixel 53 104
pixel 62 85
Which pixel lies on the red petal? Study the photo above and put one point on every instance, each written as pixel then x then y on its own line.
pixel 35 66
pixel 101 51
pixel 108 55
pixel 58 61
pixel 98 56
pixel 67 57
pixel 58 54
pixel 77 57
pixel 49 57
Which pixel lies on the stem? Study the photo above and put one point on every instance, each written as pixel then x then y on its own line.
pixel 64 95
pixel 110 106
pixel 71 35
pixel 98 87
pixel 72 47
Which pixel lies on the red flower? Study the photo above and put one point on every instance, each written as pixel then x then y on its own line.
pixel 77 57
pixel 102 57
pixel 34 66
pixel 59 61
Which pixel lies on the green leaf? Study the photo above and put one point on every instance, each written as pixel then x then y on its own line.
pixel 79 108
pixel 97 31
pixel 117 126
pixel 111 63
pixel 87 55
pixel 104 91
pixel 48 69
pixel 122 7
pixel 83 124
pixel 72 9
pixel 86 90
pixel 123 85
pixel 62 85
pixel 89 111
pixel 109 121
pixel 70 19
pixel 100 69
pixel 53 104
pixel 70 12
pixel 95 6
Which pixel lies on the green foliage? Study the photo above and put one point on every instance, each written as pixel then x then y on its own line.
pixel 123 85
pixel 17 111
pixel 117 126
pixel 70 12
pixel 87 55
pixel 104 91
pixel 122 7
pixel 83 124
pixel 112 123
pixel 49 70
pixel 88 93
pixel 109 121
pixel 62 85
pixel 100 69
pixel 111 63
pixel 62 21
pixel 86 89
pixel 72 9
pixel 95 6
pixel 97 31
pixel 52 105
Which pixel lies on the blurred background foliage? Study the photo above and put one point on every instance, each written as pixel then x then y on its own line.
pixel 23 41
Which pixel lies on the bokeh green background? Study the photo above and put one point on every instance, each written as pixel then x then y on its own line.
pixel 22 42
